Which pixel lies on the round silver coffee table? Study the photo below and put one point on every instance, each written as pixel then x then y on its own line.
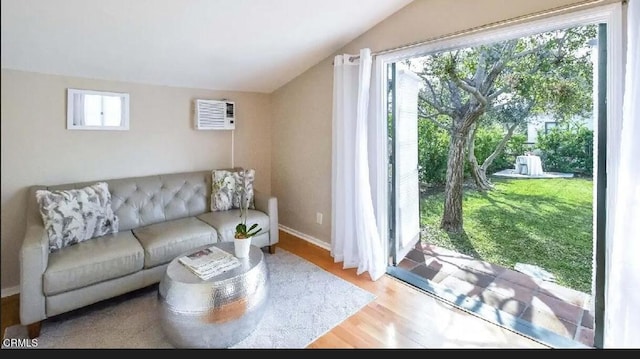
pixel 216 313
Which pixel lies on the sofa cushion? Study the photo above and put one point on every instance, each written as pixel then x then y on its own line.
pixel 91 262
pixel 76 215
pixel 164 241
pixel 225 222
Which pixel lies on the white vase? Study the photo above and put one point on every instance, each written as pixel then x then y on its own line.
pixel 242 246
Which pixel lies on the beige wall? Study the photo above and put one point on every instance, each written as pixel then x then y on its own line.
pixel 37 148
pixel 286 136
pixel 301 152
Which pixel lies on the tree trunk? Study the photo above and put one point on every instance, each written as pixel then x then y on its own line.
pixel 480 177
pixel 479 173
pixel 452 216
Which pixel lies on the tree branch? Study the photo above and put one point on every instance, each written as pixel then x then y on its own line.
pixel 471 140
pixel 472 90
pixel 433 119
pixel 440 109
pixel 480 69
pixel 503 143
pixel 492 96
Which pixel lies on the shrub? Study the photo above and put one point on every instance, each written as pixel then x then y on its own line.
pixel 487 139
pixel 567 149
pixel 433 151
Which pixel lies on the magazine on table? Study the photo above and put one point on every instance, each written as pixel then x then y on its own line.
pixel 209 262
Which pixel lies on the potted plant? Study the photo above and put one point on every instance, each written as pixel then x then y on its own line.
pixel 243 235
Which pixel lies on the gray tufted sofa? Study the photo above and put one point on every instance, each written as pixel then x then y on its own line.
pixel 160 217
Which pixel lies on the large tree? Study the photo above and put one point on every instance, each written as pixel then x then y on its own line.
pixel 508 83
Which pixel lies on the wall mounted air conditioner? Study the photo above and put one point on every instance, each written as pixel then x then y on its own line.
pixel 215 115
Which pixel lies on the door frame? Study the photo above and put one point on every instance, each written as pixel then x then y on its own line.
pixel 610 14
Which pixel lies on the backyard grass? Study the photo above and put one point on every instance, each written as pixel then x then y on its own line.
pixel 544 222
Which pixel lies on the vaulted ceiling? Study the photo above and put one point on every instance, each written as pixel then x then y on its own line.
pixel 244 45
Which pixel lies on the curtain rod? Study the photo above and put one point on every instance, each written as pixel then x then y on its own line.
pixel 493 25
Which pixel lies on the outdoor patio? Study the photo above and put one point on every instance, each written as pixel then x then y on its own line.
pixel 512 173
pixel 555 315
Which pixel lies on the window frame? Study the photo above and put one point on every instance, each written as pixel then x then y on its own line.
pixel 71 124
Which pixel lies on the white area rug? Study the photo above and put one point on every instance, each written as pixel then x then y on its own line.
pixel 305 302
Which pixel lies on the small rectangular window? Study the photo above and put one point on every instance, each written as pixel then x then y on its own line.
pixel 97 110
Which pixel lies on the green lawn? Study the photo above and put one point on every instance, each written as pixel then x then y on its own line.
pixel 545 222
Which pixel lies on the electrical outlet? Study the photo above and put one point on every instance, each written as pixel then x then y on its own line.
pixel 319 218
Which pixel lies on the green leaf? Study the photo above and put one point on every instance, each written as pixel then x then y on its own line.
pixel 251 234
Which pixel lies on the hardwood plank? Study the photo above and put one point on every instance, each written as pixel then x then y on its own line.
pixel 10 314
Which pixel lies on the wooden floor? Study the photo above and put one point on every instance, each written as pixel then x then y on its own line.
pixel 401 316
pixel 10 314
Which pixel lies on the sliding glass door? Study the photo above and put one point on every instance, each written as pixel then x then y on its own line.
pixel 555 224
pixel 404 122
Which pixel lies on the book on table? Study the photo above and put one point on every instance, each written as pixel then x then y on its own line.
pixel 209 262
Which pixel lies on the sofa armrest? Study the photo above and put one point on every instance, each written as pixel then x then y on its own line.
pixel 34 256
pixel 269 205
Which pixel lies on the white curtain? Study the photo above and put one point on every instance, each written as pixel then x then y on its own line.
pixel 378 149
pixel 78 109
pixel 622 286
pixel 355 240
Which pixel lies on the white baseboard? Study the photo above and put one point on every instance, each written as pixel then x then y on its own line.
pixel 6 292
pixel 306 237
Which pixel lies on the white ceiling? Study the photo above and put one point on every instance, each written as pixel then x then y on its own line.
pixel 244 45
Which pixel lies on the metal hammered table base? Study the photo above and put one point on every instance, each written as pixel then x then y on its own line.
pixel 216 313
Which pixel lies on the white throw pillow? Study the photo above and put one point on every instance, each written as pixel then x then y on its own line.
pixel 76 215
pixel 223 188
pixel 245 178
pixel 227 187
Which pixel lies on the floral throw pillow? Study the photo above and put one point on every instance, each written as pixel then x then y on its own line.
pixel 223 189
pixel 76 215
pixel 244 180
pixel 228 188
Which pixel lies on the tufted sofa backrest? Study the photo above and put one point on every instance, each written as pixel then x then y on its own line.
pixel 141 201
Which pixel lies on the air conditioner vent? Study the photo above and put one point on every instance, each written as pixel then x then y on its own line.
pixel 214 115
